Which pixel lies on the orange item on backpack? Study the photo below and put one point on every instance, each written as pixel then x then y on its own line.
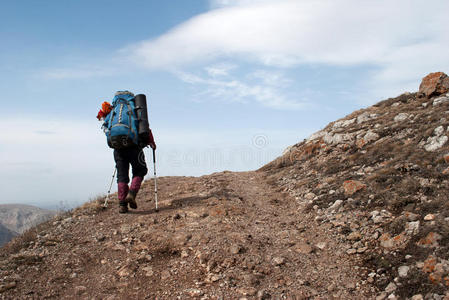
pixel 106 107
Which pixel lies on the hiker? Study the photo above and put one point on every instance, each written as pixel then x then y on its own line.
pixel 127 131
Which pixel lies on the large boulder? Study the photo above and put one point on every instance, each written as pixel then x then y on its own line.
pixel 434 84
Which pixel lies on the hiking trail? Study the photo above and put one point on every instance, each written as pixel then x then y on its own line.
pixel 222 236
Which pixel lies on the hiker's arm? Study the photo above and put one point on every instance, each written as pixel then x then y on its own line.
pixel 151 139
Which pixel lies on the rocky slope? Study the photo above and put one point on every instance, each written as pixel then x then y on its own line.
pixel 357 211
pixel 379 177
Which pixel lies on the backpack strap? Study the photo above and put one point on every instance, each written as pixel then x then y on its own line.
pixel 131 112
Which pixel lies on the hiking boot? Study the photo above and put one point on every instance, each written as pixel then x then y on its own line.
pixel 123 207
pixel 131 199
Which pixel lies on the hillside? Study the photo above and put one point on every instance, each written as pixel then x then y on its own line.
pixel 17 218
pixel 357 211
pixel 20 217
pixel 6 235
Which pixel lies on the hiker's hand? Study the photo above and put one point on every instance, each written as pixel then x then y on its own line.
pixel 152 145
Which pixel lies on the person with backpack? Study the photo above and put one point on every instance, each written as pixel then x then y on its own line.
pixel 126 126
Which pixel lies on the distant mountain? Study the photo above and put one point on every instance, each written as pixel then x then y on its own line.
pixel 19 217
pixel 5 235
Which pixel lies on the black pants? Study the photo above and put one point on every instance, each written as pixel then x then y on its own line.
pixel 124 157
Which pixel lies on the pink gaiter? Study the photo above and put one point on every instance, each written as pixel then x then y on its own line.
pixel 122 191
pixel 135 183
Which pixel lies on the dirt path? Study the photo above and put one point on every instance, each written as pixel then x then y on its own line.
pixel 223 236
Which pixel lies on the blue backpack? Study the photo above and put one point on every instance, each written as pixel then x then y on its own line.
pixel 121 123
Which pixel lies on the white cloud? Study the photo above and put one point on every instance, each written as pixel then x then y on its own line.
pixel 402 39
pixel 272 78
pixel 288 32
pixel 268 90
pixel 268 93
pixel 222 69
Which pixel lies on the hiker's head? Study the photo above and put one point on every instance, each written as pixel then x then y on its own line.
pixel 123 93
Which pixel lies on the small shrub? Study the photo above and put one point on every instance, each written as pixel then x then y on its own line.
pixel 397 226
pixel 407 187
pixel 94 205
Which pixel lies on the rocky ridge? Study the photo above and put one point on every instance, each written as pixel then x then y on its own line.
pixel 357 211
pixel 379 178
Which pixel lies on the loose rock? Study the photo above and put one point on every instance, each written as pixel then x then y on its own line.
pixel 434 84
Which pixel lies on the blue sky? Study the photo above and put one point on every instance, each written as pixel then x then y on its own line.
pixel 230 83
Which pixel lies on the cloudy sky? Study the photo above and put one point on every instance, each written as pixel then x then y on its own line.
pixel 230 83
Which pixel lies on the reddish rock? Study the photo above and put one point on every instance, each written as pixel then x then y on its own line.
pixel 434 84
pixel 429 264
pixel 389 242
pixel 360 143
pixel 430 241
pixel 352 186
pixel 435 278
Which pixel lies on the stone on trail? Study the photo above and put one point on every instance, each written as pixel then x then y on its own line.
pixel 403 271
pixel 79 290
pixel 303 248
pixel 278 261
pixel 391 287
pixel 429 217
pixel 354 236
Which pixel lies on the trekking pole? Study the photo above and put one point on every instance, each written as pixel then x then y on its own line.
pixel 155 178
pixel 109 191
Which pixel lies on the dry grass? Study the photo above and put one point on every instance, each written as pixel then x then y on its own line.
pixel 94 205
